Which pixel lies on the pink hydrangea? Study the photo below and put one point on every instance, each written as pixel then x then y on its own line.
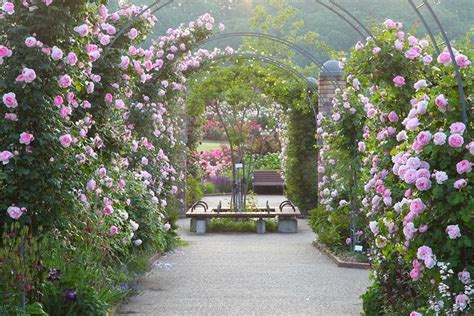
pixel 453 231
pixel 15 212
pixel 464 166
pixel 26 138
pixel 455 141
pixel 66 140
pixel 9 99
pixel 399 81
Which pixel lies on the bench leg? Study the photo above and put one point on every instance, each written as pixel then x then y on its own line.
pixel 261 226
pixel 201 225
pixel 192 225
pixel 287 225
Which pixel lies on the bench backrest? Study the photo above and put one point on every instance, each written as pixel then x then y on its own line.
pixel 267 177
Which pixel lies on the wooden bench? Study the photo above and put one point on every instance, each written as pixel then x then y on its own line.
pixel 286 213
pixel 265 180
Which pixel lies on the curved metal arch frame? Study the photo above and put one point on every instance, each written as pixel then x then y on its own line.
pixel 428 29
pixel 281 66
pixel 273 38
pixel 448 46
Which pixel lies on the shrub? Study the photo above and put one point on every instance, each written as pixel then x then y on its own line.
pixel 270 161
pixel 301 174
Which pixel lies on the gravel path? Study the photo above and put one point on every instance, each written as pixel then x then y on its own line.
pixel 248 274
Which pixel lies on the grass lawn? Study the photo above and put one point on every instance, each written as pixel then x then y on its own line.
pixel 210 145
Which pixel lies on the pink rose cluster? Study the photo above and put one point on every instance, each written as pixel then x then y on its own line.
pixel 412 170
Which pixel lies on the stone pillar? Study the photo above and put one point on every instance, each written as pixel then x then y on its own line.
pixel 326 88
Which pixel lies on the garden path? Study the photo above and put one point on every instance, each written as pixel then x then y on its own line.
pixel 248 274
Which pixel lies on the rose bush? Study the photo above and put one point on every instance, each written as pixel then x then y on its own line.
pixel 417 171
pixel 89 148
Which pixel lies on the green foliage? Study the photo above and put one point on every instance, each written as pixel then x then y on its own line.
pixel 222 225
pixel 270 161
pixel 193 191
pixel 301 176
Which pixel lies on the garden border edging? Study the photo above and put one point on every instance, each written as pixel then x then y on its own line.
pixel 340 263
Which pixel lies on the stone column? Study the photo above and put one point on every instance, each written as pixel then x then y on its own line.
pixel 326 88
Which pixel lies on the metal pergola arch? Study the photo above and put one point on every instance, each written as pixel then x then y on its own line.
pixel 279 40
pixel 333 6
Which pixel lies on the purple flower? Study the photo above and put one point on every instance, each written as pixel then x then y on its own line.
pixel 71 295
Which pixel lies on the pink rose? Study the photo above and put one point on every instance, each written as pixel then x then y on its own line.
pixel 464 277
pixel 8 7
pixel 423 184
pixel 56 53
pixel 11 117
pixel 409 231
pixel 470 147
pixel 28 75
pixel 464 166
pixel 113 230
pixel 412 53
pixel 424 138
pixel 58 100
pixel 453 231
pixel 462 300
pixel 399 81
pixel 71 58
pixel 462 61
pixel 459 184
pixel 424 252
pixel 410 176
pixel 441 102
pixel 30 42
pixel 65 140
pixel 65 81
pixel 417 205
pixel 91 185
pixel 10 100
pixel 108 97
pixel 412 124
pixel 444 58
pixel 455 141
pixel 457 128
pixel 26 138
pixel 420 84
pixel 5 52
pixel 390 24
pixel 133 33
pixel 5 156
pixel 440 177
pixel 82 30
pixel 376 50
pixel 423 228
pixel 415 274
pixel 15 212
pixel 108 209
pixel 119 104
pixel 439 138
pixel 392 117
pixel 427 59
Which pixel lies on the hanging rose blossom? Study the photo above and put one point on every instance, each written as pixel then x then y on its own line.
pixel 464 166
pixel 65 81
pixel 399 81
pixel 82 30
pixel 462 61
pixel 5 156
pixel 8 7
pixel 65 140
pixel 9 99
pixel 453 231
pixel 113 230
pixel 26 138
pixel 459 184
pixel 56 53
pixel 15 212
pixel 455 141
